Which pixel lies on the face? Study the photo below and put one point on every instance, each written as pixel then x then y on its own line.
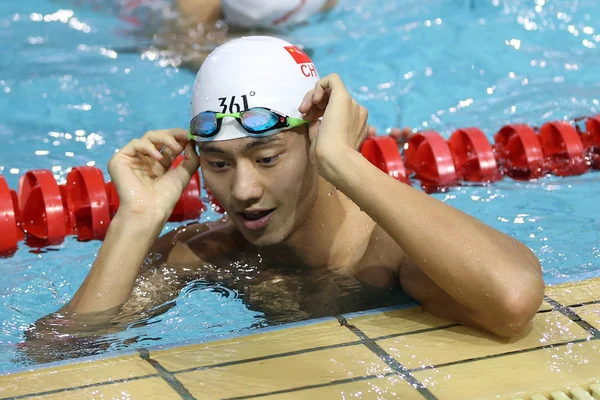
pixel 267 185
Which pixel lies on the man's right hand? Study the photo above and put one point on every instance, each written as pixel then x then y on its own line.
pixel 142 174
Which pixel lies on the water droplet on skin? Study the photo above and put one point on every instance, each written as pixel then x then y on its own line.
pixel 322 225
pixel 330 193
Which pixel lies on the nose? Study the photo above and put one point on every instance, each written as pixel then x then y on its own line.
pixel 247 187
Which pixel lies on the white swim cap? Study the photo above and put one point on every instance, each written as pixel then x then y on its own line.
pixel 269 13
pixel 255 71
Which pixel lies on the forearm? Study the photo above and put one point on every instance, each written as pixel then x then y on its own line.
pixel 111 279
pixel 194 12
pixel 472 262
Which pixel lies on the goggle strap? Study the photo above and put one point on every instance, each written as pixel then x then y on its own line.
pixel 294 122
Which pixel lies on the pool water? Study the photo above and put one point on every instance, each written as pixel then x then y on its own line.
pixel 77 83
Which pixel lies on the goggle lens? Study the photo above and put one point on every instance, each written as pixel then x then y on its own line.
pixel 259 119
pixel 204 124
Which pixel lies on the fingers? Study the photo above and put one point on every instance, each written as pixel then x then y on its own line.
pixel 157 145
pixel 188 167
pixel 191 161
pixel 171 143
pixel 141 147
pixel 167 139
pixel 315 101
pixel 306 102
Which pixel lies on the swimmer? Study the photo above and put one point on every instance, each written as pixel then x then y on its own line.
pixel 246 14
pixel 307 215
pixel 189 39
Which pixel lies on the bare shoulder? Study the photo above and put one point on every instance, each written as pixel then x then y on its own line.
pixel 199 242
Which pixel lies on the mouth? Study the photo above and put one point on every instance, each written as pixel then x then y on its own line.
pixel 256 220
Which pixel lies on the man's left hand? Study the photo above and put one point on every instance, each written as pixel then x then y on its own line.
pixel 344 124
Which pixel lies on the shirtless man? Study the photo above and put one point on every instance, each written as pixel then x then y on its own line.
pixel 302 203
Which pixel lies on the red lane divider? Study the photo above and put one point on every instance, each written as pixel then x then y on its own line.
pixel 47 212
pixel 88 200
pixel 591 140
pixel 10 233
pixel 429 157
pixel 520 152
pixel 563 149
pixel 382 151
pixel 473 156
pixel 41 207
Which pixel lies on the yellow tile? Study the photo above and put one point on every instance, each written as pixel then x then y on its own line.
pixel 575 292
pixel 545 306
pixel 75 374
pixel 404 320
pixel 589 313
pixel 391 387
pixel 258 345
pixel 461 343
pixel 506 377
pixel 149 388
pixel 397 321
pixel 283 373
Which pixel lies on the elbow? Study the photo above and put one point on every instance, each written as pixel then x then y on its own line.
pixel 517 307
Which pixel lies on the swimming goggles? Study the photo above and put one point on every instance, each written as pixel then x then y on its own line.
pixel 257 121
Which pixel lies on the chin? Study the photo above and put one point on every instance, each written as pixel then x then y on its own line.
pixel 262 238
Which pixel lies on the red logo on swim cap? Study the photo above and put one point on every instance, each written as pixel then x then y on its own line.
pixel 299 56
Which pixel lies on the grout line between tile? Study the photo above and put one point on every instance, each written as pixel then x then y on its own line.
pixel 319 385
pixel 573 316
pixel 166 375
pixel 585 303
pixel 509 353
pixel 389 360
pixel 418 331
pixel 70 389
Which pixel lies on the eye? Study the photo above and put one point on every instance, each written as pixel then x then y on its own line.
pixel 268 160
pixel 218 164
